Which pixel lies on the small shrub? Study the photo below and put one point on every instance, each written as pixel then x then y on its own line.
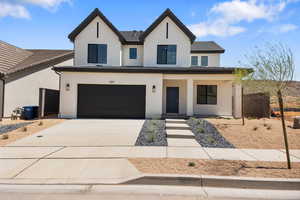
pixel 24 129
pixel 211 140
pixel 40 123
pixel 200 130
pixel 4 137
pixel 269 127
pixel 191 164
pixel 151 137
pixel 251 118
pixel 255 128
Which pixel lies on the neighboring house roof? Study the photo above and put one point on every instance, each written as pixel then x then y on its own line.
pixel 96 13
pixel 14 59
pixel 141 69
pixel 206 47
pixel 132 37
pixel 170 14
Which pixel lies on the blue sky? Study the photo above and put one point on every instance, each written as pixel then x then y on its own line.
pixel 237 25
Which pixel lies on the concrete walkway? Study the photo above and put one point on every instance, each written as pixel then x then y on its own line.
pixel 10 152
pixel 179 134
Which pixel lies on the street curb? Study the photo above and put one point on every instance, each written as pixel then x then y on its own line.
pixel 169 180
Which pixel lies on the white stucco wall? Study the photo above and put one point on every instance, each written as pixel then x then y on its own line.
pixel 25 91
pixel 68 99
pixel 224 99
pixel 213 59
pixel 89 36
pixel 175 37
pixel 132 62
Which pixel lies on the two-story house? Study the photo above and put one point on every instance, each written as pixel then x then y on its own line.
pixel 152 73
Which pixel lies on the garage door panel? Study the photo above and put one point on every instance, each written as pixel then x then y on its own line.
pixel 111 101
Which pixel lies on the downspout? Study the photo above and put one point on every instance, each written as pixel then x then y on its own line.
pixel 59 89
pixel 3 92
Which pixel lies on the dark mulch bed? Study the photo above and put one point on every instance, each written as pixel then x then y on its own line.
pixel 153 133
pixel 207 135
pixel 11 127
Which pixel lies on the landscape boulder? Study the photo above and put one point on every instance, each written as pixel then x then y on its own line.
pixel 296 122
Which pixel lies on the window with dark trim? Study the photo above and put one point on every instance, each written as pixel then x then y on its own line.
pixel 132 53
pixel 194 60
pixel 97 29
pixel 207 94
pixel 97 53
pixel 204 61
pixel 166 54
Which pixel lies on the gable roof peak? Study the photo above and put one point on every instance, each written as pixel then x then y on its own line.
pixel 95 13
pixel 172 16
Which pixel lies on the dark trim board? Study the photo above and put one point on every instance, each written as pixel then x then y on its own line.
pixel 141 69
pixel 111 101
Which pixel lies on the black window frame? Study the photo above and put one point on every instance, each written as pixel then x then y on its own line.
pixel 167 54
pixel 204 97
pixel 202 61
pixel 93 53
pixel 130 55
pixel 192 61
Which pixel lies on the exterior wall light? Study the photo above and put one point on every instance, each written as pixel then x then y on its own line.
pixel 153 88
pixel 68 87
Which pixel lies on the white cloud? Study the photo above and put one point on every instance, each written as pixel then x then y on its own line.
pixel 17 8
pixel 13 10
pixel 224 17
pixel 287 28
pixel 45 3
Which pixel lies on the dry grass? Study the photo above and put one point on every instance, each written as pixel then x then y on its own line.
pixel 31 128
pixel 216 167
pixel 268 134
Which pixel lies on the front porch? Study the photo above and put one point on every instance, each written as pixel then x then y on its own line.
pixel 214 95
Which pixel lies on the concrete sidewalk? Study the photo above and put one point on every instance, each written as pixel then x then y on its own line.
pixel 10 152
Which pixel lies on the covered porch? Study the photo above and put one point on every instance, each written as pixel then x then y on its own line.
pixel 201 95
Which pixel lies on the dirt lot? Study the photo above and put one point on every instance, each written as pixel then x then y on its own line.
pixel 31 128
pixel 257 133
pixel 216 167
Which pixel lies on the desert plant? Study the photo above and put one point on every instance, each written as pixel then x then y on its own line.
pixel 4 136
pixel 269 127
pixel 255 128
pixel 40 123
pixel 151 136
pixel 24 129
pixel 191 164
pixel 200 130
pixel 211 140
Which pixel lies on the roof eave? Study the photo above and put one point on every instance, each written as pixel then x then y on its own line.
pixel 207 51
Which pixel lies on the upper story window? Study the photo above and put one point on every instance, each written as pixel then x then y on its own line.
pixel 97 53
pixel 207 94
pixel 194 60
pixel 166 54
pixel 132 53
pixel 204 61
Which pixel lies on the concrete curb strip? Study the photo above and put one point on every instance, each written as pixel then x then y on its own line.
pixel 170 180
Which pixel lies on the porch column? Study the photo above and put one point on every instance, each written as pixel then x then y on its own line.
pixel 189 98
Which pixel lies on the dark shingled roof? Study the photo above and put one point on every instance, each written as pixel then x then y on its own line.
pixel 142 69
pixel 206 47
pixel 14 59
pixel 132 37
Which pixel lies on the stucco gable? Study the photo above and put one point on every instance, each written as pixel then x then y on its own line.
pixel 168 13
pixel 89 19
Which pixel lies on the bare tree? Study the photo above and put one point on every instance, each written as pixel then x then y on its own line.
pixel 274 68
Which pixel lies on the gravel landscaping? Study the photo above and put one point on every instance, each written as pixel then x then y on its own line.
pixel 153 133
pixel 207 135
pixel 11 127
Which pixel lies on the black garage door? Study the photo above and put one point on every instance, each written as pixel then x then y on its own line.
pixel 111 101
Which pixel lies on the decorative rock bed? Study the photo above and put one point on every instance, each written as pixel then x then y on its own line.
pixel 207 134
pixel 11 127
pixel 153 133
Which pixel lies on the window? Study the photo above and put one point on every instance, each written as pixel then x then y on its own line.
pixel 204 61
pixel 207 94
pixel 194 60
pixel 132 53
pixel 97 53
pixel 166 54
pixel 167 30
pixel 97 29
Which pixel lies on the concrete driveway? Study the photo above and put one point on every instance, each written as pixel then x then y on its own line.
pixel 86 132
